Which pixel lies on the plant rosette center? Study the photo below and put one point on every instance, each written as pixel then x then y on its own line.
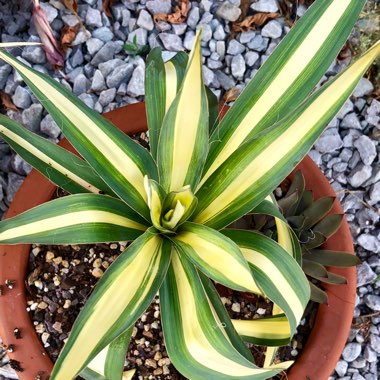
pixel 169 210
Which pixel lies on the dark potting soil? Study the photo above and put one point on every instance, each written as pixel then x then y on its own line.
pixel 60 281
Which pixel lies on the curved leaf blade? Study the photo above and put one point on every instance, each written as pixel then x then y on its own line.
pixel 60 166
pixel 259 165
pixel 109 363
pixel 216 255
pixel 287 77
pixel 75 219
pixel 271 331
pixel 119 161
pixel 195 339
pixel 183 142
pixel 120 297
pixel 276 273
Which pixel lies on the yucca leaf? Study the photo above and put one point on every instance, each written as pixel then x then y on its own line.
pixel 258 166
pixel 194 335
pixel 269 331
pixel 16 44
pixel 155 96
pixel 213 110
pixel 183 142
pixel 317 211
pixel 276 273
pixel 217 305
pixel 63 168
pixel 332 258
pixel 329 225
pixel 109 363
pixel 216 255
pixel 75 219
pixel 120 297
pixel 119 161
pixel 267 207
pixel 317 294
pixel 287 77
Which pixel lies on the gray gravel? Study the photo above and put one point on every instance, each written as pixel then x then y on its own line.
pixel 105 77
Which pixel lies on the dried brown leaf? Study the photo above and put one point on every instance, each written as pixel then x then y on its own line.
pixel 179 15
pixel 231 95
pixel 252 22
pixel 6 102
pixel 68 34
pixel 71 5
pixel 244 7
pixel 107 7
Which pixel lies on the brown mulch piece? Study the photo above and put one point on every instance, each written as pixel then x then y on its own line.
pixel 106 7
pixel 6 102
pixel 179 15
pixel 252 22
pixel 68 34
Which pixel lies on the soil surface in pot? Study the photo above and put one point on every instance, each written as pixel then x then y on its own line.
pixel 61 279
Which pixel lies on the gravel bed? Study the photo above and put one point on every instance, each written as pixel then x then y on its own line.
pixel 104 76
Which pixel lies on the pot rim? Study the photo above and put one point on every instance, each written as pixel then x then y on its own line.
pixel 318 358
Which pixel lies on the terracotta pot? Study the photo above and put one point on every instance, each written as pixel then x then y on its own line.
pixel 319 356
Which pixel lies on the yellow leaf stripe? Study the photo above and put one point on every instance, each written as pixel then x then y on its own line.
pixel 199 346
pixel 328 99
pixel 137 277
pixel 48 160
pixel 297 62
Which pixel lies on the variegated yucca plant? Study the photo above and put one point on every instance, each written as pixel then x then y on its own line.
pixel 176 201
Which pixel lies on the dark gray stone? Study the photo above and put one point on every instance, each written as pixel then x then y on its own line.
pixel 171 42
pixel 351 120
pixel 21 98
pixel 228 11
pixel 235 47
pixel 103 34
pixel 159 6
pixel 265 6
pixel 136 84
pixel 351 352
pixel 94 18
pixel 31 117
pixel 373 302
pixel 94 45
pixel 193 18
pixel 81 84
pixel 49 127
pixel 366 148
pixel 359 175
pixel 365 274
pixel 273 29
pixel 98 82
pixel 364 87
pixel 107 52
pixel 5 70
pixel 119 74
pixel 145 20
pixel 14 183
pixel 20 166
pixel 34 54
pixel 107 96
